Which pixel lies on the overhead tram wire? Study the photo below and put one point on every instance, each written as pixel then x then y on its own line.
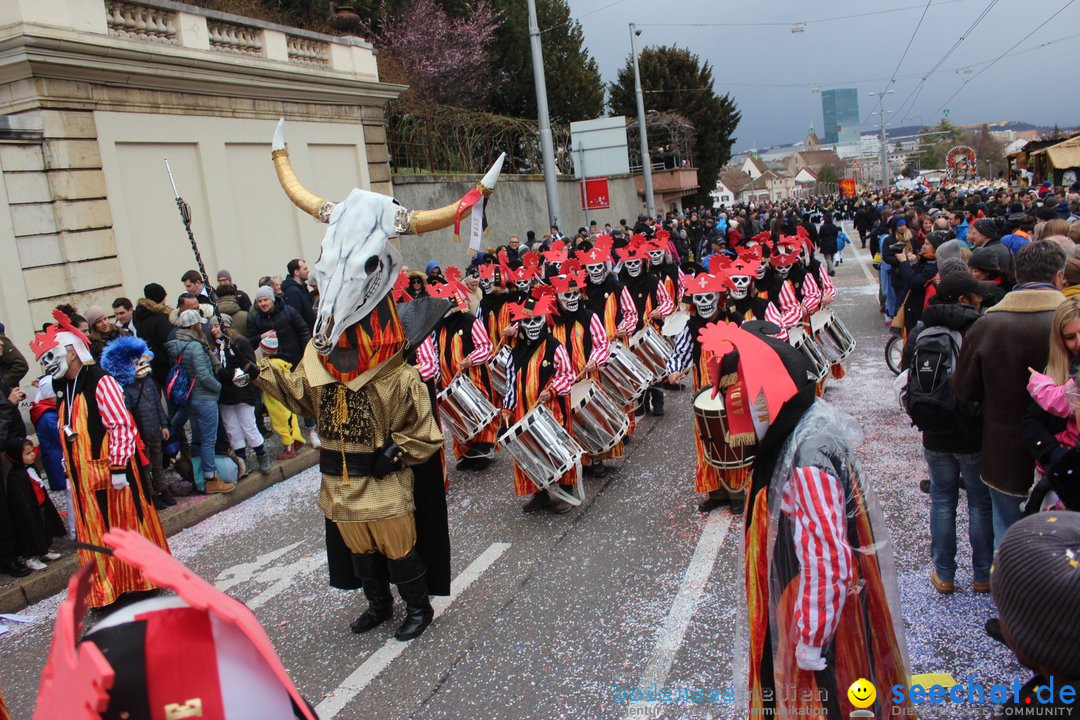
pixel 775 23
pixel 884 91
pixel 913 96
pixel 1002 55
pixel 586 14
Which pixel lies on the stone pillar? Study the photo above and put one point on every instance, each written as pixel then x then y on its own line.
pixel 378 156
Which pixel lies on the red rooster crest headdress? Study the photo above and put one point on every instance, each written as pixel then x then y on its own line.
pixel 61 334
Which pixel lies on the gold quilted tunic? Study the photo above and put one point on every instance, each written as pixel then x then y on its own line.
pixel 388 403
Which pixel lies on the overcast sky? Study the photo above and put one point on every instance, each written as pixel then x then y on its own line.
pixel 749 62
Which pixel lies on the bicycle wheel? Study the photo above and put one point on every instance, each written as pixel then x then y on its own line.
pixel 894 350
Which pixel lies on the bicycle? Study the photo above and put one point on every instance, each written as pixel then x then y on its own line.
pixel 894 351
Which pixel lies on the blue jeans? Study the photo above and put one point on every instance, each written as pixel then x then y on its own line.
pixel 947 471
pixel 1006 512
pixel 887 291
pixel 203 415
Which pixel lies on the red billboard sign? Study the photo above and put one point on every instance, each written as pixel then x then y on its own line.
pixel 594 194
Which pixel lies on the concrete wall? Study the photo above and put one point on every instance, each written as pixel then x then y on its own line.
pixel 519 204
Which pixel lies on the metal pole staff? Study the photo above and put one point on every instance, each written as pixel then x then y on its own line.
pixel 185 217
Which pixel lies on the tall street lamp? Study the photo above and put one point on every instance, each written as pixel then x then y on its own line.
pixel 646 160
pixel 547 147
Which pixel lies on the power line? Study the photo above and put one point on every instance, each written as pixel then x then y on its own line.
pixel 776 23
pixel 892 79
pixel 999 57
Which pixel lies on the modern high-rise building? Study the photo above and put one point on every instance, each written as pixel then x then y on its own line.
pixel 840 108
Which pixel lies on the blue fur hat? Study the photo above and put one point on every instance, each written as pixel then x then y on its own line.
pixel 118 358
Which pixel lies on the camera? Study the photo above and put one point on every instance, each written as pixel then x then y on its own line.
pixel 896 247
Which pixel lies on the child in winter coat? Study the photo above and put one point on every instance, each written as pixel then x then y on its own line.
pixel 283 420
pixel 47 426
pixel 34 519
pixel 1058 401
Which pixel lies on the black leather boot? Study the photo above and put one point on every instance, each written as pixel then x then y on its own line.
pixel 375 578
pixel 408 574
pixel 656 396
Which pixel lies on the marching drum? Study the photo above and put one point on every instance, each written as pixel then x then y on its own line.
pixel 624 376
pixel 674 323
pixel 710 422
pixel 652 350
pixel 805 344
pixel 467 410
pixel 545 451
pixel 497 371
pixel 830 331
pixel 599 421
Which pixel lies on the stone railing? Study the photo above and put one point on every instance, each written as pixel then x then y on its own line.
pixel 178 24
pixel 306 50
pixel 141 22
pixel 234 38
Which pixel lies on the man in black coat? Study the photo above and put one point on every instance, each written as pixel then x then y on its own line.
pixel 826 243
pixel 273 315
pixel 295 292
pixel 152 325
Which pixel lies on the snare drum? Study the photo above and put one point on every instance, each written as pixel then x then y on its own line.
pixel 805 344
pixel 599 422
pixel 544 450
pixel 652 350
pixel 674 323
pixel 710 423
pixel 465 408
pixel 623 375
pixel 497 370
pixel 839 335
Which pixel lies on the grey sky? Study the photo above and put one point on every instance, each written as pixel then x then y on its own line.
pixel 750 61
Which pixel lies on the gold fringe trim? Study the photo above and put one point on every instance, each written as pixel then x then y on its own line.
pixel 741 440
pixel 728 380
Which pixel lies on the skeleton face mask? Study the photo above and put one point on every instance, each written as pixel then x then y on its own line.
pixel 762 269
pixel 487 284
pixel 782 271
pixel 706 304
pixel 597 272
pixel 633 268
pixel 534 327
pixel 570 301
pixel 55 362
pixel 523 285
pixel 142 366
pixel 656 257
pixel 742 286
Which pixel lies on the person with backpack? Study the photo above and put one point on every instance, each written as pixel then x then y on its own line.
pixel 193 382
pixel 951 433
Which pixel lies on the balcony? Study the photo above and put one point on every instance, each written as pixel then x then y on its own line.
pixel 669 184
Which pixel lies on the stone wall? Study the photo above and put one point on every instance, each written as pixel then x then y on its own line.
pixel 519 204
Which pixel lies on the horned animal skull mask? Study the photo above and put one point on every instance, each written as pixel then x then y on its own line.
pixel 357 265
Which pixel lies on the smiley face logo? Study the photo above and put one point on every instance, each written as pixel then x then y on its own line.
pixel 862 693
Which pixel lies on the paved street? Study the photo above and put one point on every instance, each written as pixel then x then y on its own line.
pixel 564 616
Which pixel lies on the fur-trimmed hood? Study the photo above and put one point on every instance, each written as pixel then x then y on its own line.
pixel 154 306
pixel 118 358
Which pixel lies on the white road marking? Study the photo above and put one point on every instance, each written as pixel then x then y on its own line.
pixel 230 577
pixel 682 610
pixel 282 576
pixel 379 660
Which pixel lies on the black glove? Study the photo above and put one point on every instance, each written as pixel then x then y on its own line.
pixel 387 460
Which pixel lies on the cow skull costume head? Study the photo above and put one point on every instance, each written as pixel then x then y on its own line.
pixel 357 265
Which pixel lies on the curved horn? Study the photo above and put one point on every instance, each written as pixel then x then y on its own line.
pixel 422 221
pixel 303 198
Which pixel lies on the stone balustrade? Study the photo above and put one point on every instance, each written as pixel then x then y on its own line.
pixel 143 22
pixel 229 37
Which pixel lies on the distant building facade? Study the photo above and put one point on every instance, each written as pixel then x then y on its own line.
pixel 840 108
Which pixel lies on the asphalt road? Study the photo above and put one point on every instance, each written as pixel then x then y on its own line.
pixel 565 616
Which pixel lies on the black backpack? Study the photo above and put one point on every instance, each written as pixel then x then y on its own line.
pixel 929 399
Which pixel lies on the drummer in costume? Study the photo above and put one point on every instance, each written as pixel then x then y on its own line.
pixel 823 288
pixel 375 414
pixel 582 334
pixel 608 298
pixel 778 287
pixel 652 302
pixel 554 257
pixel 464 347
pixel 707 294
pixel 99 441
pixel 662 265
pixel 490 279
pixel 742 304
pixel 538 372
pixel 820 580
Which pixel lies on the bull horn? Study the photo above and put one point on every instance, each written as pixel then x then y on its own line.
pixel 303 198
pixel 422 221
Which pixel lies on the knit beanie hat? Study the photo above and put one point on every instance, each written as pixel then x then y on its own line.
pixel 93 314
pixel 984 259
pixel 264 292
pixel 269 344
pixel 190 318
pixel 154 292
pixel 1035 582
pixel 989 228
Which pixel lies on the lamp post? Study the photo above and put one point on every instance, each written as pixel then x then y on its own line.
pixel 547 147
pixel 884 138
pixel 646 161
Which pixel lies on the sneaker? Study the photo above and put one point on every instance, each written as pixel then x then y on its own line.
pixel 50 556
pixel 218 486
pixel 945 587
pixel 34 564
pixel 241 467
pixel 287 454
pixel 313 439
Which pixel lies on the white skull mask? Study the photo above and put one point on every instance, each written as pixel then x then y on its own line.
pixel 763 268
pixel 486 284
pixel 55 362
pixel 741 286
pixel 570 301
pixel 533 327
pixel 706 304
pixel 523 285
pixel 633 268
pixel 782 271
pixel 656 257
pixel 597 272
